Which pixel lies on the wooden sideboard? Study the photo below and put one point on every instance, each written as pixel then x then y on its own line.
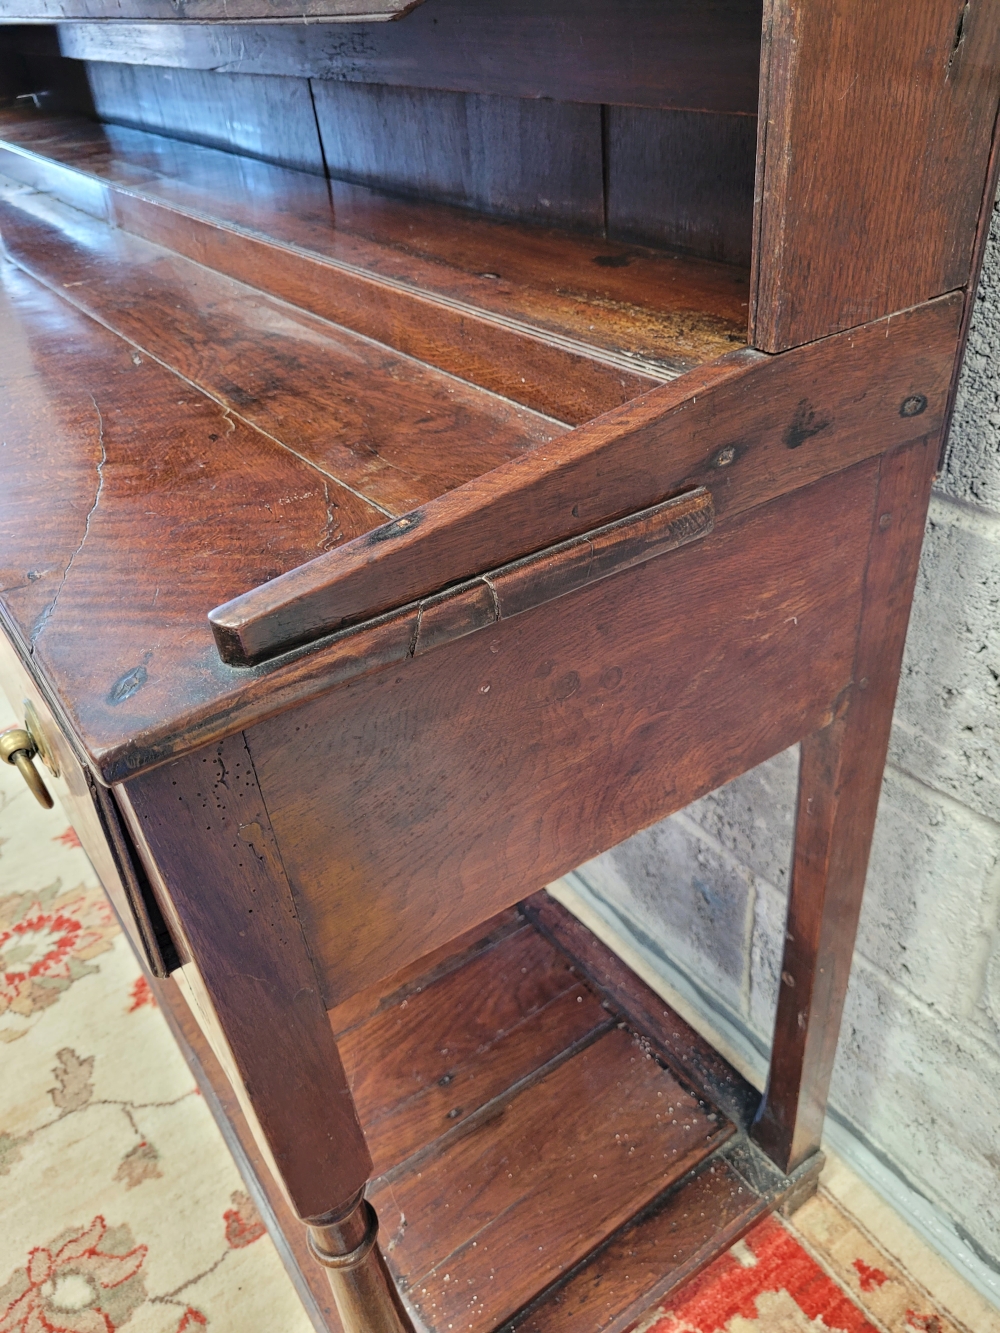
pixel 435 450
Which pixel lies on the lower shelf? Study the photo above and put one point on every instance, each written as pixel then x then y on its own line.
pixel 553 1147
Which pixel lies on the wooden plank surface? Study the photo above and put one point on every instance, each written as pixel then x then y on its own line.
pixel 765 424
pixel 146 480
pixel 879 117
pixel 263 116
pixel 690 1056
pixel 682 180
pixel 682 53
pixel 539 161
pixel 551 1174
pixel 415 801
pixel 393 431
pixel 566 324
pixel 423 1066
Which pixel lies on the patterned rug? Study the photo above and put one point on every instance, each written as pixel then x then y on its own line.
pixel 119 1203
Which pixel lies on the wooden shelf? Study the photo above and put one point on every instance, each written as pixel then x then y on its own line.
pixel 564 323
pixel 496 1210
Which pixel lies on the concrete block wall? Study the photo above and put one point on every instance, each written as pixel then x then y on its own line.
pixel 704 894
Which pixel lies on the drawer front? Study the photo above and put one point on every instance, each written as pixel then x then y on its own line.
pixel 92 811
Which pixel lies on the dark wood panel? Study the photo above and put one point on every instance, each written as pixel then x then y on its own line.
pixel 424 1065
pixel 683 53
pixel 266 117
pixel 244 945
pixel 690 1056
pixel 560 1166
pixel 683 180
pixel 575 725
pixel 394 431
pixel 747 428
pixel 534 160
pixel 879 118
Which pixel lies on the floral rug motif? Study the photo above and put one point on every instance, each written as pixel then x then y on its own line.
pixel 120 1206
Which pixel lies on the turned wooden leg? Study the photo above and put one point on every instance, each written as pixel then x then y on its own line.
pixel 202 828
pixel 839 784
pixel 365 1294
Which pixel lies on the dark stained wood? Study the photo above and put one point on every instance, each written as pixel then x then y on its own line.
pixel 261 116
pixel 685 53
pixel 202 11
pixel 126 448
pixel 426 1064
pixel 391 430
pixel 249 954
pixel 747 427
pixel 533 160
pixel 551 1173
pixel 560 732
pixel 689 1055
pixel 568 325
pixel 683 180
pixel 651 1257
pixel 91 811
pixel 839 783
pixel 392 991
pixel 901 99
pixel 283 1226
pixel 500 594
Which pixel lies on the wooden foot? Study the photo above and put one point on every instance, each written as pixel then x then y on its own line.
pixel 365 1294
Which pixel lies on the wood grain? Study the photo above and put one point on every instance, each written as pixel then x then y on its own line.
pixel 566 324
pixel 394 432
pixel 652 1257
pixel 560 732
pixel 425 1065
pixel 561 1166
pixel 252 960
pixel 840 780
pixel 146 480
pixel 265 117
pixel 683 180
pixel 689 1055
pixel 684 53
pixel 878 121
pixel 533 160
pixel 764 425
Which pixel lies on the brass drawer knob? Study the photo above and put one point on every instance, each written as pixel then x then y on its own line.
pixel 17 747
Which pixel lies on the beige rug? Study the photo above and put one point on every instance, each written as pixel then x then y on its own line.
pixel 120 1205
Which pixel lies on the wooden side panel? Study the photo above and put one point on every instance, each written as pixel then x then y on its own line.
pixel 266 117
pixel 682 179
pixel 204 831
pixel 536 160
pixel 680 53
pixel 877 122
pixel 416 801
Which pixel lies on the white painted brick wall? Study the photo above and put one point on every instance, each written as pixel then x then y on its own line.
pixel 918 1069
